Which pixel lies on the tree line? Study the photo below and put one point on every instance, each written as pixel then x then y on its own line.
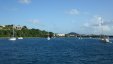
pixel 24 32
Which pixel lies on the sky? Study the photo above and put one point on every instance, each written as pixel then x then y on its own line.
pixel 59 16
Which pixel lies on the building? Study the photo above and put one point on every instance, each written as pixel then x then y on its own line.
pixel 18 27
pixel 1 27
pixel 9 27
pixel 60 35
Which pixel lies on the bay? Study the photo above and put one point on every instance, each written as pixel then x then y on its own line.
pixel 55 51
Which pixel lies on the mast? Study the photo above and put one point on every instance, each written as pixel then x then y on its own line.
pixel 48 37
pixel 13 31
pixel 100 25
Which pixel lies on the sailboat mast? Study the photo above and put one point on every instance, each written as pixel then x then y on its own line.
pixel 100 25
pixel 13 30
pixel 48 34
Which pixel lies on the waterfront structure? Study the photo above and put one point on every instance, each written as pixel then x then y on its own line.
pixel 60 35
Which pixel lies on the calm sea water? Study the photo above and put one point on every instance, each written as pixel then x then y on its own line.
pixel 55 51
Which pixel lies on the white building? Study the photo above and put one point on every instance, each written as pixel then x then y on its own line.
pixel 62 35
pixel 18 27
pixel 2 26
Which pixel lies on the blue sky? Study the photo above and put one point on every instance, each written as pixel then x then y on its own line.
pixel 59 16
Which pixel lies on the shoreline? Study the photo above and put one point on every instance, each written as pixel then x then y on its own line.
pixel 24 37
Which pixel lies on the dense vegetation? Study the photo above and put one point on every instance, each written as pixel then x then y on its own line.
pixel 24 32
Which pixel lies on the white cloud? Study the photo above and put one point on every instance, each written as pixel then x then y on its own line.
pixel 25 1
pixel 73 12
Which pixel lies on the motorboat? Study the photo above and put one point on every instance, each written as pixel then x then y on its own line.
pixel 20 37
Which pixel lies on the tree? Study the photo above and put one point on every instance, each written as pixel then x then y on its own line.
pixel 24 27
pixel 25 32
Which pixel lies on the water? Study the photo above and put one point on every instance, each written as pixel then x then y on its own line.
pixel 55 51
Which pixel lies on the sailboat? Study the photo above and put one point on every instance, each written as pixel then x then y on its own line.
pixel 54 35
pixel 13 38
pixel 80 37
pixel 103 38
pixel 48 38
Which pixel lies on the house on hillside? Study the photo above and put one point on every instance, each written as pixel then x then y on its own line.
pixel 18 27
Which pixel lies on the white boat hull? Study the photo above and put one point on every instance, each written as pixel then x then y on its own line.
pixel 13 38
pixel 105 40
pixel 20 37
pixel 48 38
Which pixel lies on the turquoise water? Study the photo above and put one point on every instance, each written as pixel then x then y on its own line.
pixel 55 51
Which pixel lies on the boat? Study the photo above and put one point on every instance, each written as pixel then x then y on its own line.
pixel 13 38
pixel 54 35
pixel 80 37
pixel 90 37
pixel 48 38
pixel 103 38
pixel 20 37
